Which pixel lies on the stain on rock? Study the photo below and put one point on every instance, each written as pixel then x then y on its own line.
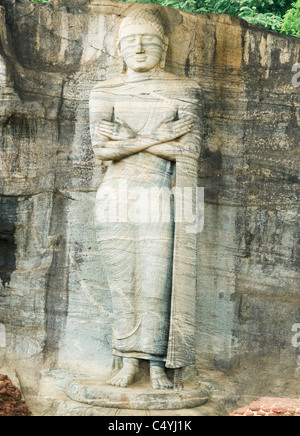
pixel 187 66
pixel 8 208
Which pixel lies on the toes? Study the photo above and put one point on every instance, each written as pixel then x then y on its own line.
pixel 167 385
pixel 161 384
pixel 115 381
pixel 125 382
pixel 112 382
pixel 121 382
pixel 155 384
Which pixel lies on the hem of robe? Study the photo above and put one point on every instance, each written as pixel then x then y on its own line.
pixel 139 355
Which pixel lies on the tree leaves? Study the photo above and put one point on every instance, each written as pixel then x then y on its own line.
pixel 279 15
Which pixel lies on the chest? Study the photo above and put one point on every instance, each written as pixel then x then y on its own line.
pixel 143 111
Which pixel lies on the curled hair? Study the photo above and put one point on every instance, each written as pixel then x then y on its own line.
pixel 143 16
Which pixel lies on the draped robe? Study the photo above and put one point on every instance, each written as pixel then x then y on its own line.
pixel 151 264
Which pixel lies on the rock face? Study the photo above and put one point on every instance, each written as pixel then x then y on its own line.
pixel 54 300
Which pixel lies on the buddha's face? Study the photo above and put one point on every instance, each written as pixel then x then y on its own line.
pixel 141 47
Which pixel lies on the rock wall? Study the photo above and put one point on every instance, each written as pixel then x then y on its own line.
pixel 54 300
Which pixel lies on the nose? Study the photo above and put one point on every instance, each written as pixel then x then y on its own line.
pixel 139 45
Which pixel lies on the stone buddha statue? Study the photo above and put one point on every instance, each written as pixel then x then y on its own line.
pixel 146 124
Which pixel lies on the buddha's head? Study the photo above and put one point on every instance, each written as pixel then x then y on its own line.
pixel 142 42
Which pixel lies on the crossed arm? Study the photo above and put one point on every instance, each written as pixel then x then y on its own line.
pixel 115 140
pixel 170 140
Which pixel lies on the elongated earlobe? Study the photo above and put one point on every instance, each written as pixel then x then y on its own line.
pixel 124 66
pixel 164 57
pixel 163 62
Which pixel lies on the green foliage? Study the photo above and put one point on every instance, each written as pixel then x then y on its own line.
pixel 255 15
pixel 291 20
pixel 279 15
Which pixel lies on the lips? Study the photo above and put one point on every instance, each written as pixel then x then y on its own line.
pixel 140 58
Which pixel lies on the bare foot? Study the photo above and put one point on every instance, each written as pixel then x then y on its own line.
pixel 126 376
pixel 159 378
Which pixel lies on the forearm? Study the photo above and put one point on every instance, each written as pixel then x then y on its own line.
pixel 117 150
pixel 173 150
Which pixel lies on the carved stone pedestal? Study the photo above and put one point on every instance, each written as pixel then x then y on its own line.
pixel 96 392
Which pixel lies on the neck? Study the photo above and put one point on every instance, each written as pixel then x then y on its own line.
pixel 137 75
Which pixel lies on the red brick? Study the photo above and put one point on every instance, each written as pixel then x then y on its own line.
pixel 11 403
pixel 266 409
pixel 241 411
pixel 255 406
pixel 273 406
pixel 250 413
pixel 279 410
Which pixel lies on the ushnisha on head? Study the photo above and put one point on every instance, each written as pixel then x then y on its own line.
pixel 142 42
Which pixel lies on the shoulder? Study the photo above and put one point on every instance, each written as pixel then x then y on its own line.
pixel 181 82
pixel 115 81
pixel 106 86
pixel 171 76
pixel 181 88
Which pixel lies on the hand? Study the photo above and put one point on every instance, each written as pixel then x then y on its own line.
pixel 172 130
pixel 115 131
